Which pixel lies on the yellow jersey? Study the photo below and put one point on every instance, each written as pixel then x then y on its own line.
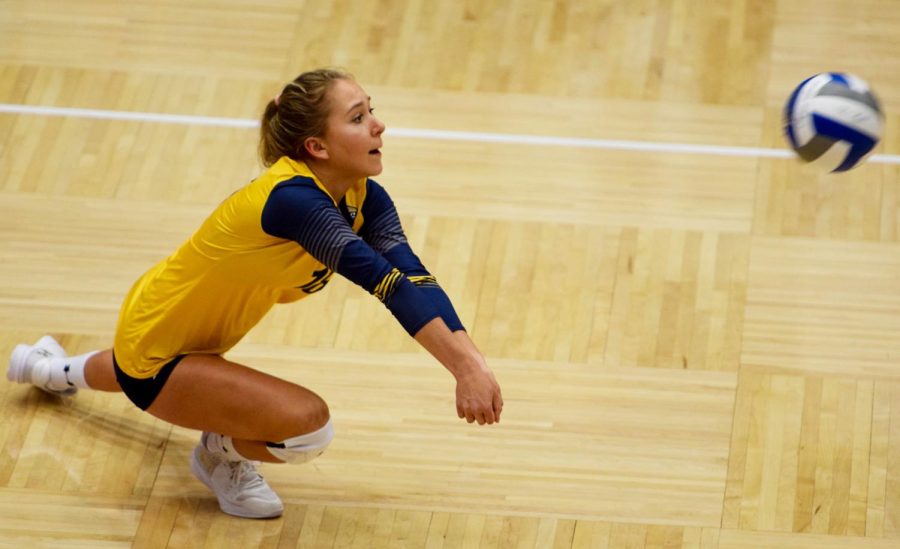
pixel 276 240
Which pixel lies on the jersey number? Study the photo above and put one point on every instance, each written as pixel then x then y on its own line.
pixel 320 279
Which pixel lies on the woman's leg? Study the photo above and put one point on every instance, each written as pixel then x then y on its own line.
pixel 46 365
pixel 245 414
pixel 210 393
pixel 99 372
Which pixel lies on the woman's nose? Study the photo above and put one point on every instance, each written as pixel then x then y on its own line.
pixel 378 127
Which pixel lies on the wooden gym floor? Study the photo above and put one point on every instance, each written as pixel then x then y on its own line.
pixel 696 350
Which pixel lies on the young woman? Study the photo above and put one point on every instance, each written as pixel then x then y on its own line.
pixel 313 212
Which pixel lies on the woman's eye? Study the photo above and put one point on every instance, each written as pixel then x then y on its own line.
pixel 358 118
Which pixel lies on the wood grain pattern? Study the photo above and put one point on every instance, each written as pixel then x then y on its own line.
pixel 696 350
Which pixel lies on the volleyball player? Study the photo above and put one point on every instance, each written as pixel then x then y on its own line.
pixel 313 212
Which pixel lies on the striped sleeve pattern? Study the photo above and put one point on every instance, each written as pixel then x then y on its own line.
pixel 325 234
pixel 382 230
pixel 298 210
pixel 423 281
pixel 385 289
pixel 427 284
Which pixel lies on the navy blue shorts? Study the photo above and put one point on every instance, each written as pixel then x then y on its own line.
pixel 144 391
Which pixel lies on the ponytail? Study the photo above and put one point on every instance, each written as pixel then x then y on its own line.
pixel 299 112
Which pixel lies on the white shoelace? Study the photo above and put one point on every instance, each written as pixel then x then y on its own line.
pixel 244 474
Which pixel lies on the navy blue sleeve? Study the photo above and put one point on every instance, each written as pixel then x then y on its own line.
pixel 382 230
pixel 298 210
pixel 402 257
pixel 381 224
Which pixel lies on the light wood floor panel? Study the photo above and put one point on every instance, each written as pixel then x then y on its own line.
pixel 809 454
pixel 313 526
pixel 44 445
pixel 663 57
pixel 36 518
pixel 739 539
pixel 823 306
pixel 565 49
pixel 813 36
pixel 587 117
pixel 124 166
pixel 641 50
pixel 154 36
pixel 662 190
pixel 219 95
pixel 38 233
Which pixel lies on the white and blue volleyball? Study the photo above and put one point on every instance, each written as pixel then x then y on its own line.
pixel 833 121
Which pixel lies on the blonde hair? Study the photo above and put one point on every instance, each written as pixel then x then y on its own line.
pixel 298 113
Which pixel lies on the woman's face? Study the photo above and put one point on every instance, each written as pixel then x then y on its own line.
pixel 352 134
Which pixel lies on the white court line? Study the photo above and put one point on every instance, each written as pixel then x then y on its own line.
pixel 482 137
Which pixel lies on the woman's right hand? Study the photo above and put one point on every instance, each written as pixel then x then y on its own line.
pixel 478 396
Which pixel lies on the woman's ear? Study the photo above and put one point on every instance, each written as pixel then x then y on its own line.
pixel 315 147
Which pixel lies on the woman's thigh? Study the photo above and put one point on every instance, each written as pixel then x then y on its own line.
pixel 210 393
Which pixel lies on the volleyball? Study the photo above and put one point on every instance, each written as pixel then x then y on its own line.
pixel 833 121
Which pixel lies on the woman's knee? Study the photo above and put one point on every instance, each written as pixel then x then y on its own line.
pixel 305 416
pixel 306 433
pixel 303 448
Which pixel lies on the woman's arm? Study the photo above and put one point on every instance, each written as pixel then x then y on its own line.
pixel 382 230
pixel 478 395
pixel 477 392
pixel 299 211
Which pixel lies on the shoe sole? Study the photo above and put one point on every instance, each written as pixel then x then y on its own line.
pixel 16 370
pixel 49 343
pixel 226 507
